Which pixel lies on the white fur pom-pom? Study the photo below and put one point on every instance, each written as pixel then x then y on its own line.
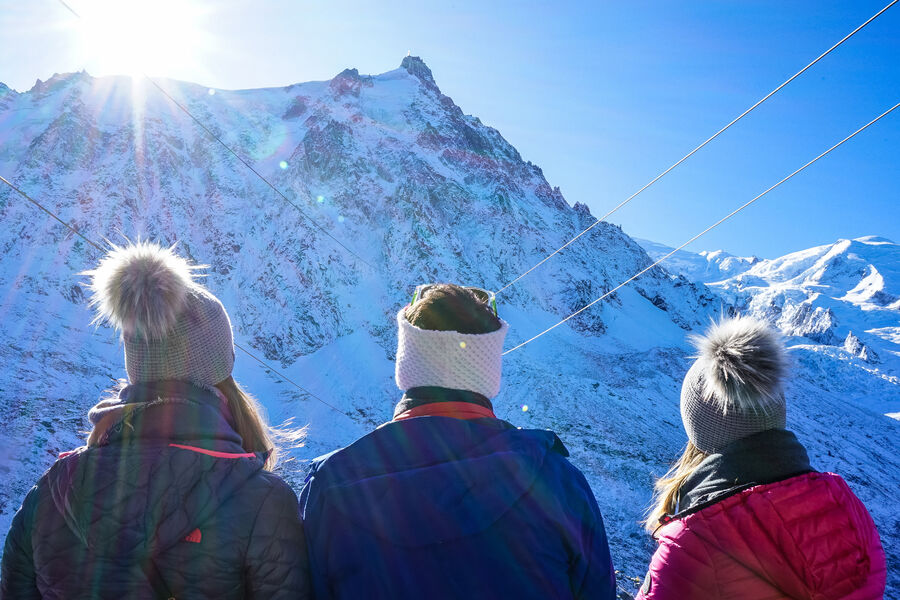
pixel 743 363
pixel 141 289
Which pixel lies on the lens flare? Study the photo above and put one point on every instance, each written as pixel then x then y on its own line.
pixel 132 37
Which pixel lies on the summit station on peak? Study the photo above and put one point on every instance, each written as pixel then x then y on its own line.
pixel 417 67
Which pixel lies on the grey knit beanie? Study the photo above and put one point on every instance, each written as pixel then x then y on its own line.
pixel 172 327
pixel 733 390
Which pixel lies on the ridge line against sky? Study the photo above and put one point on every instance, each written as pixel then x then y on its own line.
pixel 602 98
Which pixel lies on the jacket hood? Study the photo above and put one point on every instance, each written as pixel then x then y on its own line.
pixel 169 459
pixel 431 479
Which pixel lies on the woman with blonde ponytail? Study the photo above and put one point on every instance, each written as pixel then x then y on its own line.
pixel 173 495
pixel 742 515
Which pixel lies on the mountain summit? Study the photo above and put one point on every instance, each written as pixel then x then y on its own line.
pixel 417 68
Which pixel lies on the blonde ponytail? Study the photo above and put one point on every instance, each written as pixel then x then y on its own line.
pixel 250 423
pixel 666 488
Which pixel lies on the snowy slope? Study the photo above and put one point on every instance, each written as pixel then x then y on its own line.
pixel 391 167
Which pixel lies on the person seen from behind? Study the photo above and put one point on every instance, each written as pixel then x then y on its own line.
pixel 742 514
pixel 173 494
pixel 446 500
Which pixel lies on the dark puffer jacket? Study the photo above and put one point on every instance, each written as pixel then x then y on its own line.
pixel 169 504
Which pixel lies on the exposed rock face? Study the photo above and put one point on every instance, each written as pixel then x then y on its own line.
pixel 857 348
pixel 417 68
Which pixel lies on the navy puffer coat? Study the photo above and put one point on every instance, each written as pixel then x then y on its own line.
pixel 436 507
pixel 169 505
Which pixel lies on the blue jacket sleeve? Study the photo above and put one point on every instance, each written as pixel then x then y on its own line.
pixel 277 567
pixel 591 573
pixel 313 527
pixel 17 574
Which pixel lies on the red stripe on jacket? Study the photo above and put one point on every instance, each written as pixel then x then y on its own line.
pixel 215 453
pixel 457 410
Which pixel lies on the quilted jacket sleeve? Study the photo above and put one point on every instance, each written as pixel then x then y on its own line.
pixel 277 566
pixel 680 568
pixel 17 575
pixel 591 574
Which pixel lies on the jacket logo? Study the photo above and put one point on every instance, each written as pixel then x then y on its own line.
pixel 194 537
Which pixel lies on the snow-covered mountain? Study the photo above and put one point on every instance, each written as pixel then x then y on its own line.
pixel 392 168
pixel 704 267
pixel 840 300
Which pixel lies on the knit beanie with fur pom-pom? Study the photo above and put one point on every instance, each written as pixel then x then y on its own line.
pixel 734 388
pixel 172 327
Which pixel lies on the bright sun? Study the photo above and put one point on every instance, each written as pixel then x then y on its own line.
pixel 132 37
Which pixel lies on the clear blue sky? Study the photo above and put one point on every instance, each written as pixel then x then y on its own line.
pixel 601 95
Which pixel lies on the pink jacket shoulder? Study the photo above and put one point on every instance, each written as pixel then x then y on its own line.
pixel 805 537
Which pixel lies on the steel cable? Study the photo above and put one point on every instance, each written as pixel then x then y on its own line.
pixel 692 152
pixel 714 225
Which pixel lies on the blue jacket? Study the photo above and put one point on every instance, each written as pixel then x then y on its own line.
pixel 436 507
pixel 169 504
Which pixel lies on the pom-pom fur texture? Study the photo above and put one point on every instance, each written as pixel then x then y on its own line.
pixel 141 289
pixel 743 362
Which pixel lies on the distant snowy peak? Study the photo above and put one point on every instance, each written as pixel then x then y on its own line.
pixel 703 267
pixel 864 271
pixel 843 296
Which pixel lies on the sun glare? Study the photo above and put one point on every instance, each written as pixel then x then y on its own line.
pixel 132 37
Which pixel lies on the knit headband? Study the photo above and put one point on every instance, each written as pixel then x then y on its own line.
pixel 449 359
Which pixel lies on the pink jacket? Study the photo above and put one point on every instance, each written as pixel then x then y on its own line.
pixel 805 537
